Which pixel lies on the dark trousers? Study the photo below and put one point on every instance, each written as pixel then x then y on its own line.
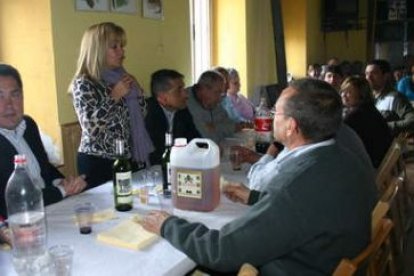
pixel 98 170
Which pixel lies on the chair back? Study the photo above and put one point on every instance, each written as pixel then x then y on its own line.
pixel 393 165
pixel 376 255
pixel 384 203
pixel 389 165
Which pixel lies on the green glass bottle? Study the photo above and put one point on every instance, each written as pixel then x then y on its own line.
pixel 122 174
pixel 165 166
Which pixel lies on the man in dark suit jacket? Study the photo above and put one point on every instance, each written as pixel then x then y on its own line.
pixel 19 134
pixel 167 111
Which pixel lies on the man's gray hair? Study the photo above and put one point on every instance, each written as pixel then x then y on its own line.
pixel 317 108
pixel 210 78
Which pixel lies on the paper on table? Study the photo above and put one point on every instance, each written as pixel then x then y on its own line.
pixel 101 216
pixel 128 234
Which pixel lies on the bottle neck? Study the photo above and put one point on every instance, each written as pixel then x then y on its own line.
pixel 19 165
pixel 20 161
pixel 168 140
pixel 119 148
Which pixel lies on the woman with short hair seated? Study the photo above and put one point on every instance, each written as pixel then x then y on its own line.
pixel 362 116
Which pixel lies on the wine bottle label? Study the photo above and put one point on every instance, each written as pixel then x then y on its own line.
pixel 124 199
pixel 123 184
pixel 189 183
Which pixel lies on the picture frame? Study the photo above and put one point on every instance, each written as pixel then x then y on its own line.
pixel 92 5
pixel 124 6
pixel 153 9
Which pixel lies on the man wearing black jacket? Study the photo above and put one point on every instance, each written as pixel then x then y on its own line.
pixel 167 111
pixel 19 134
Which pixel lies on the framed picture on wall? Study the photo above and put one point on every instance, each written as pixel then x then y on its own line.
pixel 152 9
pixel 91 5
pixel 126 6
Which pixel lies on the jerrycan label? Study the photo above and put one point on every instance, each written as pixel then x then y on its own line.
pixel 189 184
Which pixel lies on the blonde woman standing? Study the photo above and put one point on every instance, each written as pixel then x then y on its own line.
pixel 109 104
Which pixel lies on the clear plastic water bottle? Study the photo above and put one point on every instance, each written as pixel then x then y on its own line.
pixel 26 218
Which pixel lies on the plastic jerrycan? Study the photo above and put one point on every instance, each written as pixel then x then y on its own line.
pixel 195 175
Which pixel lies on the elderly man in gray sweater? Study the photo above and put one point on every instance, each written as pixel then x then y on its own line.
pixel 204 98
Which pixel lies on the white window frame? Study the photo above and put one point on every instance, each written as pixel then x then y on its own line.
pixel 200 17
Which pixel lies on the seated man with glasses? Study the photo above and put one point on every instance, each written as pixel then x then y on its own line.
pixel 308 217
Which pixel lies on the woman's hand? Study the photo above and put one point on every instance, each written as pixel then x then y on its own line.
pixel 122 87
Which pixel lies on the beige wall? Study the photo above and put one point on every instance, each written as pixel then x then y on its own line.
pixel 295 22
pixel 151 44
pixel 229 36
pixel 26 43
pixel 314 37
pixel 42 40
pixel 251 48
pixel 243 39
pixel 306 43
pixel 350 45
pixel 261 60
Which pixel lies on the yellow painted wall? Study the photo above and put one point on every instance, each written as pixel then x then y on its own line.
pixel 151 44
pixel 306 43
pixel 26 43
pixel 261 61
pixel 243 38
pixel 42 40
pixel 229 36
pixel 314 37
pixel 294 21
pixel 349 45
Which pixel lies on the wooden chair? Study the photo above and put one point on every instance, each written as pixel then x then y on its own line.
pixel 375 257
pixel 391 167
pixel 71 135
pixel 384 203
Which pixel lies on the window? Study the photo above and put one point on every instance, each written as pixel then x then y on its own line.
pixel 200 37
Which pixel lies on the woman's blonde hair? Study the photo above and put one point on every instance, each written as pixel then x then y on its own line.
pixel 92 54
pixel 362 87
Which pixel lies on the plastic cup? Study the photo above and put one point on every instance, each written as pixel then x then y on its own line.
pixel 156 178
pixel 143 194
pixel 226 146
pixel 235 159
pixel 84 214
pixel 62 259
pixel 165 203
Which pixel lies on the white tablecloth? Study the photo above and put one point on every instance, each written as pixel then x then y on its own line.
pixel 95 258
